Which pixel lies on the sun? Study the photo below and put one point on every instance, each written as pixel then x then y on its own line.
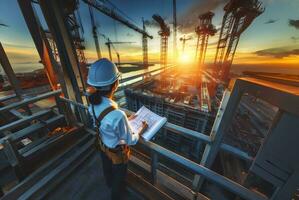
pixel 184 58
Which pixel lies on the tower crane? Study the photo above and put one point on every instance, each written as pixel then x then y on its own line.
pixel 101 7
pixel 174 29
pixel 184 40
pixel 237 18
pixel 110 44
pixel 164 33
pixel 203 31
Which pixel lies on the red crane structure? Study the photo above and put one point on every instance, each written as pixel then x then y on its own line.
pixel 203 31
pixel 237 18
pixel 164 33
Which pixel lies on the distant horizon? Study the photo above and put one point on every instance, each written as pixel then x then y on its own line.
pixel 292 69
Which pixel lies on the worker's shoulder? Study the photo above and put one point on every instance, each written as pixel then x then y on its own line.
pixel 117 113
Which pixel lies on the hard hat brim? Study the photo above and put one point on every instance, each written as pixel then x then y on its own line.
pixel 104 83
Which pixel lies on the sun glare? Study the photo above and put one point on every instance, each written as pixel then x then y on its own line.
pixel 185 58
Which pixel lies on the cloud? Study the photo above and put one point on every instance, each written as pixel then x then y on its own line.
pixel 277 52
pixel 188 20
pixel 1 24
pixel 151 23
pixel 294 23
pixel 18 46
pixel 271 21
pixel 295 39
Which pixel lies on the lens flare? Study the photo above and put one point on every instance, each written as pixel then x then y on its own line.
pixel 185 58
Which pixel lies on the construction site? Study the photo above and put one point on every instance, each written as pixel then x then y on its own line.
pixel 226 137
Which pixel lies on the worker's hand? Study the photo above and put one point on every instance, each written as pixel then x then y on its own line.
pixel 132 117
pixel 143 127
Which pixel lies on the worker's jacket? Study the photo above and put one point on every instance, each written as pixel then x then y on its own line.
pixel 114 131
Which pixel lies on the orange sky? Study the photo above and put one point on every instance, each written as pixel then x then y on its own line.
pixel 262 43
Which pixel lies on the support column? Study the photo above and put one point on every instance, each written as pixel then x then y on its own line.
pixel 55 18
pixel 222 122
pixel 52 68
pixel 53 11
pixel 9 72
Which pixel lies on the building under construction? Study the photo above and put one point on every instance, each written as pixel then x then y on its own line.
pixel 222 141
pixel 177 96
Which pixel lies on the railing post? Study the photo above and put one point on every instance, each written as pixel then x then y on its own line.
pixel 154 165
pixel 13 158
pixel 59 104
pixel 223 120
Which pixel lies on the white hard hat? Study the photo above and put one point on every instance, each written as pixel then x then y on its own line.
pixel 102 73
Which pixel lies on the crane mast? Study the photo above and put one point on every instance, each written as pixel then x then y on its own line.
pixel 164 33
pixel 237 18
pixel 203 31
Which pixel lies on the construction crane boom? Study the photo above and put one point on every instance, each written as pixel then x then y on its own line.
pixel 110 44
pixel 111 13
pixel 95 33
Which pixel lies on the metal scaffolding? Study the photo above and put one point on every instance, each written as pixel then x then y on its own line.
pixel 164 33
pixel 237 18
pixel 144 46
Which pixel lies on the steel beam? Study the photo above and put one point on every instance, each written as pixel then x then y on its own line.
pixel 9 72
pixel 24 120
pixel 111 13
pixel 286 97
pixel 236 152
pixel 7 98
pixel 223 120
pixel 41 172
pixel 59 173
pixel 29 101
pixel 55 18
pixel 41 44
pixel 207 173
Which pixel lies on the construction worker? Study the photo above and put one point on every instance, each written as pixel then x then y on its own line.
pixel 114 135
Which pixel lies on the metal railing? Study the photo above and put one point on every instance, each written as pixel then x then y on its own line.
pixel 157 150
pixel 124 82
pixel 194 167
pixel 25 119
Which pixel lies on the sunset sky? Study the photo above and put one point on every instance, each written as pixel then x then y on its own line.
pixel 272 41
